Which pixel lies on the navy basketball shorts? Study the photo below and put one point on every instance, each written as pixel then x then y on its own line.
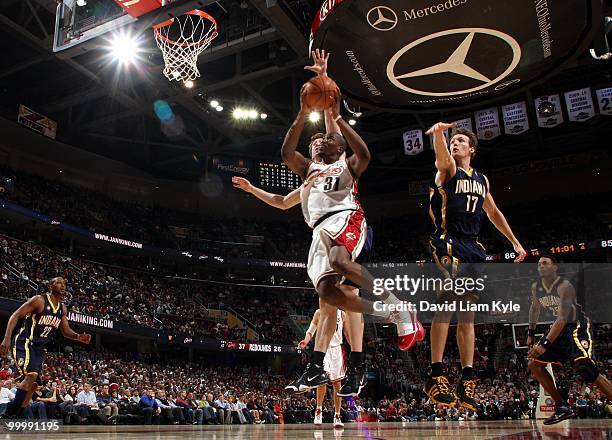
pixel 458 258
pixel 575 343
pixel 28 359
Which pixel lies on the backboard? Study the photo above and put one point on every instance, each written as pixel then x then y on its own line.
pixel 80 23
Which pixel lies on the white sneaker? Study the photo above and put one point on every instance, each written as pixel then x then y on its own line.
pixel 338 421
pixel 318 420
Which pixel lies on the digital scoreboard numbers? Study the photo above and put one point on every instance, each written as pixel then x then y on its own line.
pixel 251 346
pixel 277 175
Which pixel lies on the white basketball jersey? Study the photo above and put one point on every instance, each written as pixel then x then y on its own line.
pixel 327 188
pixel 336 340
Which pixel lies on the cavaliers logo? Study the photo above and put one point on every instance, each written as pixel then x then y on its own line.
pixel 445 260
pixel 585 344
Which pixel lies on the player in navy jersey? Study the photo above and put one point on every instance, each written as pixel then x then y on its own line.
pixel 43 315
pixel 553 298
pixel 459 198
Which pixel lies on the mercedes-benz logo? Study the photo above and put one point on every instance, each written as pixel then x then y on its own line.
pixel 382 18
pixel 455 63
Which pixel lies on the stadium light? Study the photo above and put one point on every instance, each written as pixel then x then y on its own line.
pixel 219 108
pixel 314 117
pixel 238 113
pixel 189 84
pixel 352 122
pixel 214 103
pixel 81 3
pixel 124 48
pixel 252 114
pixel 263 116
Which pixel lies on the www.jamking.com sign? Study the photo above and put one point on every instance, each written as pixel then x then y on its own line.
pixel 422 55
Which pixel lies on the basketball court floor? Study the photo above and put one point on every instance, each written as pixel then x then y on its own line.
pixel 515 430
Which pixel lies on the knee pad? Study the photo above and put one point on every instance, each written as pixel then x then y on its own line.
pixel 587 370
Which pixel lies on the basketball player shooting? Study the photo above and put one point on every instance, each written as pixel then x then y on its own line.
pixel 569 337
pixel 459 196
pixel 331 209
pixel 355 377
pixel 43 315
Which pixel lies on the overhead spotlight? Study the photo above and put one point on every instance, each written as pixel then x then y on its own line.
pixel 214 103
pixel 352 122
pixel 314 117
pixel 189 84
pixel 238 113
pixel 124 48
pixel 81 3
pixel 263 116
pixel 253 114
pixel 219 108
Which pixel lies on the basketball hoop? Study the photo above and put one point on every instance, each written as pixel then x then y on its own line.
pixel 182 39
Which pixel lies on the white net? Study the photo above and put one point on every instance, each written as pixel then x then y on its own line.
pixel 182 40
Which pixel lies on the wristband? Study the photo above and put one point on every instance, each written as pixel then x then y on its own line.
pixel 337 118
pixel 544 342
pixel 531 332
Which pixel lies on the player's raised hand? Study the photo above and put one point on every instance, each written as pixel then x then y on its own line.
pixel 319 60
pixel 530 342
pixel 5 347
pixel 302 344
pixel 85 338
pixel 440 127
pixel 242 183
pixel 520 253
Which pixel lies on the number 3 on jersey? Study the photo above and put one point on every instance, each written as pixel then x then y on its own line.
pixel 472 201
pixel 331 183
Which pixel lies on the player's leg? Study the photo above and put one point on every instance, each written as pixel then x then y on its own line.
pixel 437 386
pixel 465 343
pixel 604 384
pixel 337 405
pixel 355 378
pixel 408 328
pixel 318 418
pixel 314 374
pixel 562 410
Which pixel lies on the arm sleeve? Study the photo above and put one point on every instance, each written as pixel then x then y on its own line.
pixel 312 329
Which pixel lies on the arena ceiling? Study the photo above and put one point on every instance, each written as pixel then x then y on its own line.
pixel 257 61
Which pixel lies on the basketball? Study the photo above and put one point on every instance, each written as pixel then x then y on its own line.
pixel 320 93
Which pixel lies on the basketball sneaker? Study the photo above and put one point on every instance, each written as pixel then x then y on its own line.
pixel 562 412
pixel 465 393
pixel 318 419
pixel 439 391
pixel 338 421
pixel 409 330
pixel 353 382
pixel 312 377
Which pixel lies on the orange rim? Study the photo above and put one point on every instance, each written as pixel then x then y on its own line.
pixel 209 36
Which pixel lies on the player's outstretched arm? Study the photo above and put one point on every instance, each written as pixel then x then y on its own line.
pixel 68 333
pixel 500 222
pixel 312 329
pixel 293 158
pixel 445 164
pixel 33 305
pixel 360 160
pixel 534 315
pixel 275 200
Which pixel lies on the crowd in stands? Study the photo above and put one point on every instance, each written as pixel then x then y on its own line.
pixel 396 239
pixel 173 305
pixel 102 387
